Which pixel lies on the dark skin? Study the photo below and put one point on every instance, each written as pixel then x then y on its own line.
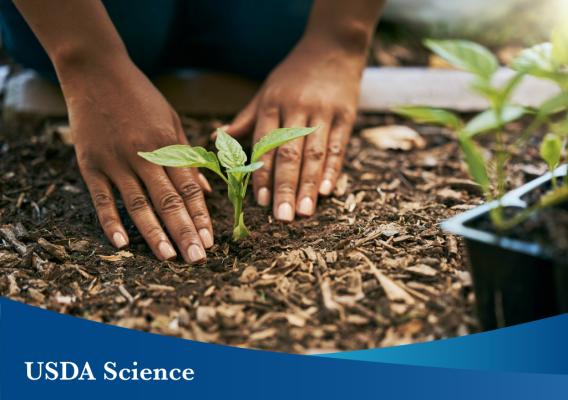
pixel 115 111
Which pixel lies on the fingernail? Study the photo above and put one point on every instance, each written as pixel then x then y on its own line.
pixel 166 250
pixel 206 237
pixel 325 187
pixel 204 183
pixel 306 206
pixel 119 240
pixel 195 253
pixel 285 212
pixel 263 198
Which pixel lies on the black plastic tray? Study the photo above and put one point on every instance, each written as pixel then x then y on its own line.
pixel 515 281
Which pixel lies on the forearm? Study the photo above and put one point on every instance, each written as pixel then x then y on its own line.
pixel 348 24
pixel 74 33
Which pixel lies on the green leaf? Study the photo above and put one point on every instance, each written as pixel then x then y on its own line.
pixel 183 156
pixel 246 168
pixel 465 55
pixel 560 128
pixel 554 197
pixel 560 45
pixel 551 150
pixel 487 120
pixel 498 96
pixel 553 105
pixel 538 61
pixel 277 138
pixel 230 152
pixel 475 162
pixel 428 115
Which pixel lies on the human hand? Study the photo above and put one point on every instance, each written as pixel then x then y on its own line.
pixel 114 114
pixel 316 85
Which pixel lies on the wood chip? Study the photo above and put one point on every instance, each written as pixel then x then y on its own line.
pixel 262 335
pixel 119 256
pixel 55 250
pixel 7 232
pixel 423 270
pixel 249 274
pixel 125 293
pixel 394 137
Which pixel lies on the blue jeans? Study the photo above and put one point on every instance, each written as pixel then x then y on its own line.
pixel 248 38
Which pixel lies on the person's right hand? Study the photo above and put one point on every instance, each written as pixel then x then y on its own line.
pixel 115 112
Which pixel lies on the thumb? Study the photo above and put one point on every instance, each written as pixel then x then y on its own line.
pixel 244 121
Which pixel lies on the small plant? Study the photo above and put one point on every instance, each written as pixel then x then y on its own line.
pixel 231 156
pixel 483 65
pixel 548 61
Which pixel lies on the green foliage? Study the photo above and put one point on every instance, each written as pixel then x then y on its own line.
pixel 466 55
pixel 427 115
pixel 182 156
pixel 231 156
pixel 229 151
pixel 551 150
pixel 559 41
pixel 277 138
pixel 475 162
pixel 548 61
pixel 489 121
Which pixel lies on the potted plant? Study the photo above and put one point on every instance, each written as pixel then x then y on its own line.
pixel 516 240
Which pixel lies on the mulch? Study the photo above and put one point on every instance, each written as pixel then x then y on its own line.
pixel 371 269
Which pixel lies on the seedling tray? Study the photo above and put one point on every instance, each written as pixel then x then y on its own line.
pixel 515 281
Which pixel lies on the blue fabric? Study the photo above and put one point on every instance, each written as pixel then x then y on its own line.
pixel 239 36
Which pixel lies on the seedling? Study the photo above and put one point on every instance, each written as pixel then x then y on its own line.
pixel 483 65
pixel 549 61
pixel 232 158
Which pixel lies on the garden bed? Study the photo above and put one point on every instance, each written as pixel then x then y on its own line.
pixel 371 269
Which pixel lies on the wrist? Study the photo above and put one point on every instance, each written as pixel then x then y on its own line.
pixel 73 60
pixel 350 36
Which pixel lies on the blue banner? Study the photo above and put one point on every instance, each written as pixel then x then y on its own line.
pixel 45 355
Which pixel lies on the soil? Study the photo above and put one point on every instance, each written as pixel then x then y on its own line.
pixel 371 269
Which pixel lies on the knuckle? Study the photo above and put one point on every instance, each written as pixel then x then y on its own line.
pixel 153 233
pixel 102 200
pixel 170 202
pixel 107 222
pixel 200 213
pixel 188 232
pixel 190 191
pixel 314 153
pixel 270 109
pixel 346 115
pixel 286 189
pixel 335 149
pixel 309 185
pixel 262 176
pixel 289 154
pixel 137 203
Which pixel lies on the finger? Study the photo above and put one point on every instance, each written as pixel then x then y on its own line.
pixel 105 206
pixel 287 171
pixel 244 121
pixel 268 120
pixel 187 185
pixel 142 214
pixel 338 139
pixel 203 182
pixel 172 211
pixel 312 167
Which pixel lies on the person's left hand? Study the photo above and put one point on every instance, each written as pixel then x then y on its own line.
pixel 316 85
